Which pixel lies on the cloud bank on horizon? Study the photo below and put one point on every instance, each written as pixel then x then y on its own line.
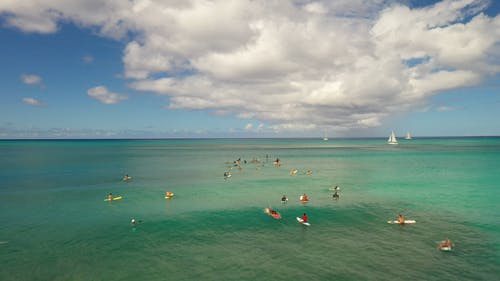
pixel 295 65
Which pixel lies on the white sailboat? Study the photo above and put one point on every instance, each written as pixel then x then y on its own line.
pixel 392 139
pixel 408 136
pixel 324 137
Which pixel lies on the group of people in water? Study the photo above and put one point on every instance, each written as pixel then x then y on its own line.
pixel 444 245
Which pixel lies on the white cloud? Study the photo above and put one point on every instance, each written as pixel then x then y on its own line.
pixel 88 59
pixel 297 65
pixel 32 101
pixel 31 79
pixel 444 108
pixel 102 94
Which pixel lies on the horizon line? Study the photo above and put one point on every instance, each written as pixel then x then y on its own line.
pixel 245 138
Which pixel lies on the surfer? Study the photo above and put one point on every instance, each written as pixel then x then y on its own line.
pixel 304 218
pixel 110 196
pixel 225 175
pixel 284 200
pixel 445 244
pixel 401 219
pixel 304 198
pixel 272 213
pixel 336 195
pixel 126 177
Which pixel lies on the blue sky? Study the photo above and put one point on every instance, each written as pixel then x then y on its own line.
pixel 140 69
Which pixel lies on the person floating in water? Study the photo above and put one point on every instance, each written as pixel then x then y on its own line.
pixel 284 200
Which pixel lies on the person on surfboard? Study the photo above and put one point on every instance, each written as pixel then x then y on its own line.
pixel 401 219
pixel 445 243
pixel 336 195
pixel 304 198
pixel 304 218
pixel 110 196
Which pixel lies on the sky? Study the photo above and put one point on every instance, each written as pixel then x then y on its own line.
pixel 239 69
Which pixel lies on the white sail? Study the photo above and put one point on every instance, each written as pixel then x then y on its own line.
pixel 408 136
pixel 392 139
pixel 325 138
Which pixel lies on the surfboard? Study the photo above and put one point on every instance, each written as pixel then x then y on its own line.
pixel 445 249
pixel 406 222
pixel 114 198
pixel 301 221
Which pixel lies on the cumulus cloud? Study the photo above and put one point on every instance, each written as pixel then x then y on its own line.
pixel 296 65
pixel 32 101
pixel 102 94
pixel 31 79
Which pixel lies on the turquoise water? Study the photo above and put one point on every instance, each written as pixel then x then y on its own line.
pixel 55 225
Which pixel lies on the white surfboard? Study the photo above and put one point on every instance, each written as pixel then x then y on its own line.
pixel 446 249
pixel 406 222
pixel 302 221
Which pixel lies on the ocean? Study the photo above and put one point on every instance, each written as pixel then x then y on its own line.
pixel 55 225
